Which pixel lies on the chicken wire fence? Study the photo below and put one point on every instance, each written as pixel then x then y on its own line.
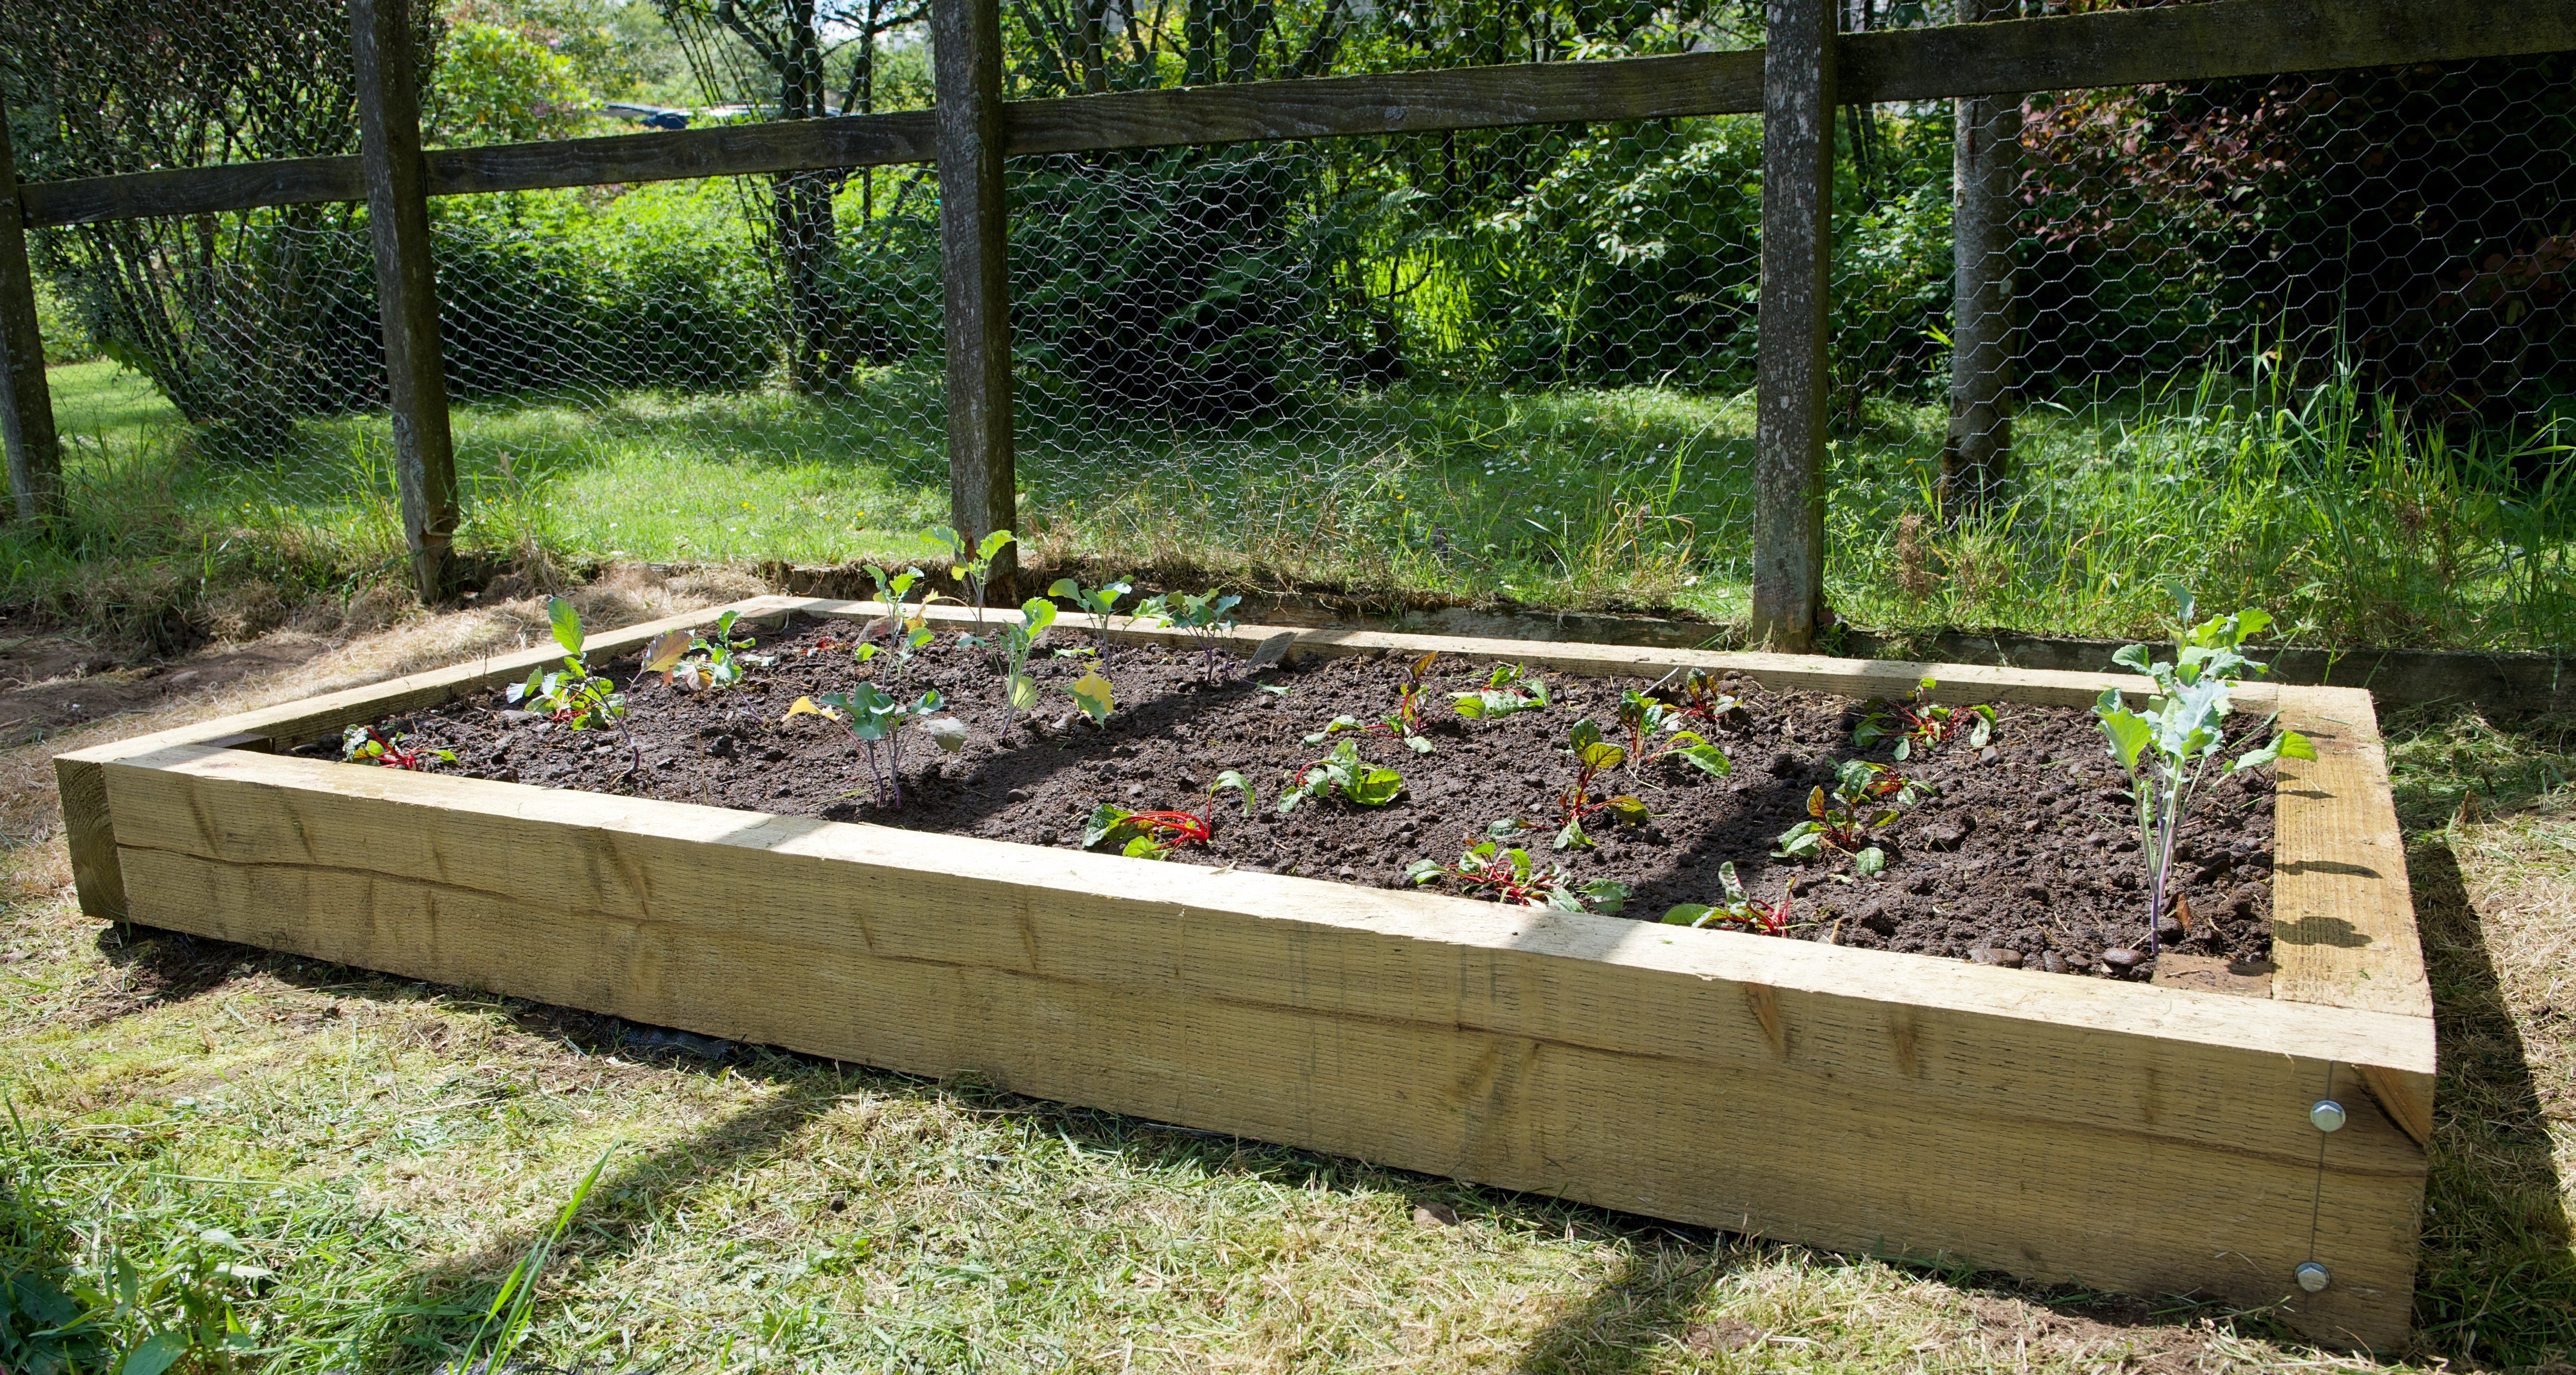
pixel 1516 360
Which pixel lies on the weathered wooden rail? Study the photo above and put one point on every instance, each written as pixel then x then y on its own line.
pixel 1795 82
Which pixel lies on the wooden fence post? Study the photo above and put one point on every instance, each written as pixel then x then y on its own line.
pixel 406 285
pixel 1985 156
pixel 1794 372
pixel 974 243
pixel 26 406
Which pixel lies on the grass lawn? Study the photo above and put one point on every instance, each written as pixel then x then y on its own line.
pixel 1630 498
pixel 386 1151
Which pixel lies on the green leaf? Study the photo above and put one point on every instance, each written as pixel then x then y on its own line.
pixel 1040 613
pixel 1024 692
pixel 1375 788
pixel 994 543
pixel 1629 809
pixel 2129 734
pixel 1904 748
pixel 1066 588
pixel 1708 759
pixel 1583 736
pixel 1802 841
pixel 2296 746
pixel 1094 695
pixel 567 624
pixel 665 650
pixel 1417 744
pixel 1143 847
pixel 1572 837
pixel 154 1354
pixel 1870 861
pixel 1232 780
pixel 1106 824
pixel 2134 658
pixel 948 733
pixel 1601 754
pixel 1469 704
pixel 1424 871
pixel 1689 914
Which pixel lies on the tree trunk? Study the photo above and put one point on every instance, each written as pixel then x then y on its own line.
pixel 1985 162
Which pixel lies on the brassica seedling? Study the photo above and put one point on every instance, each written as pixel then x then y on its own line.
pixel 972 564
pixel 1101 602
pixel 1206 616
pixel 1093 693
pixel 1019 690
pixel 1511 876
pixel 876 719
pixel 2167 748
pixel 575 697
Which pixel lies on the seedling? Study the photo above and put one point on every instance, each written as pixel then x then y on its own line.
pixel 2168 748
pixel 1233 781
pixel 367 745
pixel 1592 756
pixel 1702 700
pixel 1404 723
pixel 973 565
pixel 1094 694
pixel 573 696
pixel 1019 690
pixel 1512 877
pixel 1866 797
pixel 1511 688
pixel 1345 774
pixel 1101 602
pixel 1917 722
pixel 1739 909
pixel 876 719
pixel 903 628
pixel 1206 616
pixel 1656 733
pixel 1143 835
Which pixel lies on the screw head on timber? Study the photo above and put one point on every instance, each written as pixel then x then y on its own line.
pixel 2327 1115
pixel 2314 1277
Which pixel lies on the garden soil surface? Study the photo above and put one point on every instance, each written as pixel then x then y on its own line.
pixel 2027 856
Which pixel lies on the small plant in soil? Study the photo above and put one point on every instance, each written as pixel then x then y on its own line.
pixel 1205 616
pixel 1593 756
pixel 575 697
pixel 367 745
pixel 1866 797
pixel 1100 602
pixel 2168 748
pixel 1656 733
pixel 902 627
pixel 1510 876
pixel 1702 700
pixel 1404 723
pixel 1233 781
pixel 972 565
pixel 1143 835
pixel 1343 774
pixel 877 720
pixel 1510 688
pixel 1917 722
pixel 1738 910
pixel 719 660
pixel 1097 697
pixel 1019 690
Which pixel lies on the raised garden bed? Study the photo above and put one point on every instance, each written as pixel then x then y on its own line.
pixel 2081 1125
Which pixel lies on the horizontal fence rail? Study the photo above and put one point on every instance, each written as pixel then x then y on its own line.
pixel 2227 38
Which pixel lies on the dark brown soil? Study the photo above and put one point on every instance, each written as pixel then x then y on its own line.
pixel 2026 856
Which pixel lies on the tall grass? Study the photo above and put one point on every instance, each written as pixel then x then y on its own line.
pixel 2314 501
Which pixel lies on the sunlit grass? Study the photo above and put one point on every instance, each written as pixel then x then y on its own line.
pixel 2353 531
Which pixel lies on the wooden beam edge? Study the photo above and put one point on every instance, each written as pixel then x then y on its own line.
pixel 2387 973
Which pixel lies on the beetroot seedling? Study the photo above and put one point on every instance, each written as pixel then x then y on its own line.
pixel 1866 797
pixel 1738 910
pixel 1342 774
pixel 1144 835
pixel 1703 701
pixel 1592 757
pixel 1656 733
pixel 1510 688
pixel 366 745
pixel 1511 877
pixel 1917 722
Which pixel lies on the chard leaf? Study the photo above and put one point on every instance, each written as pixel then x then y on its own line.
pixel 1689 914
pixel 663 651
pixel 1106 825
pixel 1423 871
pixel 1870 861
pixel 1708 759
pixel 1375 788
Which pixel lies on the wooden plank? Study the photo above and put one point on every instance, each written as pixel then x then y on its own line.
pixel 2195 43
pixel 1392 103
pixel 2343 917
pixel 26 405
pixel 974 255
pixel 79 778
pixel 794 145
pixel 2105 48
pixel 406 287
pixel 2121 1135
pixel 1793 373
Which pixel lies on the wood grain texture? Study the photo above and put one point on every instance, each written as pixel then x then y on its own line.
pixel 2343 917
pixel 27 435
pixel 406 287
pixel 974 255
pixel 2122 1136
pixel 86 825
pixel 1402 102
pixel 2107 48
pixel 1793 377
pixel 2194 43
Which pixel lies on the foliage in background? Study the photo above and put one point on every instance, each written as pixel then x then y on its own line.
pixel 496 85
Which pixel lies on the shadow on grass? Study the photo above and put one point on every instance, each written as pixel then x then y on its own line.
pixel 2496 1283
